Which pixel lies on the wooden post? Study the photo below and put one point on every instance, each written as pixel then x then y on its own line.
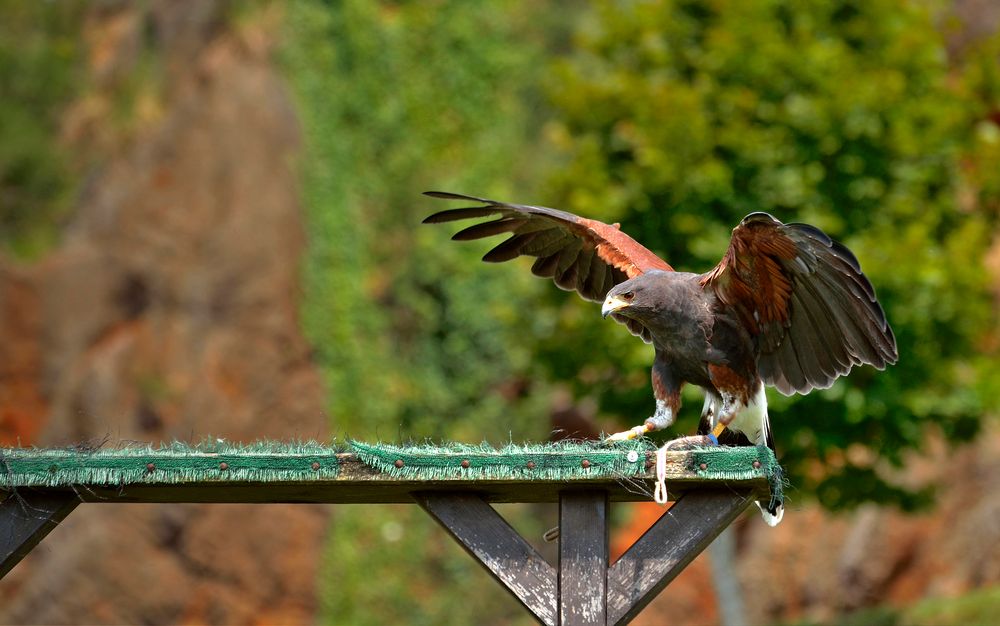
pixel 26 517
pixel 583 558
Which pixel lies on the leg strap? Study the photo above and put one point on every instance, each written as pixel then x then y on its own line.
pixel 660 491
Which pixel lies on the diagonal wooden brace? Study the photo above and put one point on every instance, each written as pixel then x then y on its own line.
pixel 26 517
pixel 669 545
pixel 498 547
pixel 583 589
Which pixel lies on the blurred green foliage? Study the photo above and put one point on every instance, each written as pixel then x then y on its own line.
pixel 40 55
pixel 395 99
pixel 416 339
pixel 678 118
pixel 675 118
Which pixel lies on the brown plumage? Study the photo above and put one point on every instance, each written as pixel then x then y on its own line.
pixel 564 244
pixel 786 306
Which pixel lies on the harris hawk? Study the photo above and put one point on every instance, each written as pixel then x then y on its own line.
pixel 786 306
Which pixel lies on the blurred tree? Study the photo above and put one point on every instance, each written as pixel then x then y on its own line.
pixel 677 118
pixel 415 338
pixel 40 57
pixel 397 99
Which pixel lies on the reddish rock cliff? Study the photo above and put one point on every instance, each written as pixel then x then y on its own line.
pixel 169 310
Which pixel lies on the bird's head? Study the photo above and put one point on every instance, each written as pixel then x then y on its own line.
pixel 632 298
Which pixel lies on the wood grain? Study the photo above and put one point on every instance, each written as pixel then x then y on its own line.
pixel 583 558
pixel 26 518
pixel 668 547
pixel 358 483
pixel 485 535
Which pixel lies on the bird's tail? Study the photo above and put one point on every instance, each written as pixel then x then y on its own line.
pixel 772 513
pixel 772 509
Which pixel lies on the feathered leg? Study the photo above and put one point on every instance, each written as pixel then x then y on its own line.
pixel 744 423
pixel 667 392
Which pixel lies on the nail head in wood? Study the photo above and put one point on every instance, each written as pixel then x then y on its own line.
pixel 756 464
pixel 465 464
pixel 399 463
pixel 531 465
pixel 150 467
pixel 703 466
pixel 223 466
pixel 585 463
pixel 315 466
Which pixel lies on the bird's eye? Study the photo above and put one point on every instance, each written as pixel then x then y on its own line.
pixel 628 296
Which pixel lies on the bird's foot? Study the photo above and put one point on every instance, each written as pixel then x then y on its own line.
pixel 630 434
pixel 694 441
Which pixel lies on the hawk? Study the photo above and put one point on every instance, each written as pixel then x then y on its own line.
pixel 786 306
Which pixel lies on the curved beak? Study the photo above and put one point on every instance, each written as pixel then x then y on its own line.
pixel 613 304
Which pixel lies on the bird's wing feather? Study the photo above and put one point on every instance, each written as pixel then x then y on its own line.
pixel 578 254
pixel 804 299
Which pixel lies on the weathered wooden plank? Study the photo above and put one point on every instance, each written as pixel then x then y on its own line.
pixel 583 558
pixel 358 483
pixel 375 492
pixel 485 535
pixel 26 518
pixel 668 547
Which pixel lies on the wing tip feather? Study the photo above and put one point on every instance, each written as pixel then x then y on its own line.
pixel 447 195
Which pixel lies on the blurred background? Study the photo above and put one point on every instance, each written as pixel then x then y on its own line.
pixel 209 227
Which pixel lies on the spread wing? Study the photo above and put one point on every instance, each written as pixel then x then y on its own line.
pixel 582 255
pixel 803 297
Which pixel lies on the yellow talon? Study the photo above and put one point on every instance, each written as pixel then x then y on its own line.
pixel 631 433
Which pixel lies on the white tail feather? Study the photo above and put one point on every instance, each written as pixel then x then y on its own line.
pixel 769 519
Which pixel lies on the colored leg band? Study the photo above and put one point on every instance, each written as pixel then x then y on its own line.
pixel 713 439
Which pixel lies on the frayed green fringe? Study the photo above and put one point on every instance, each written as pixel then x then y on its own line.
pixel 562 460
pixel 264 461
pixel 270 461
pixel 737 463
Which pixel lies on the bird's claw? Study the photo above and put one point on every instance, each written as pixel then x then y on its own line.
pixel 630 434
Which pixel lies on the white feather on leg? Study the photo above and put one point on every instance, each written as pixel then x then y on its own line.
pixel 752 420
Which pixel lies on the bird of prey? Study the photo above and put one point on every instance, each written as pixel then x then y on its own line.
pixel 787 306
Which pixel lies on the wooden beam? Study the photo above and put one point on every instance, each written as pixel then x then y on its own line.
pixel 583 558
pixel 680 534
pixel 356 482
pixel 26 517
pixel 487 536
pixel 371 491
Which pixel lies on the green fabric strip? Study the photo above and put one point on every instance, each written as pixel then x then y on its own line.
pixel 561 460
pixel 738 463
pixel 173 463
pixel 269 461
